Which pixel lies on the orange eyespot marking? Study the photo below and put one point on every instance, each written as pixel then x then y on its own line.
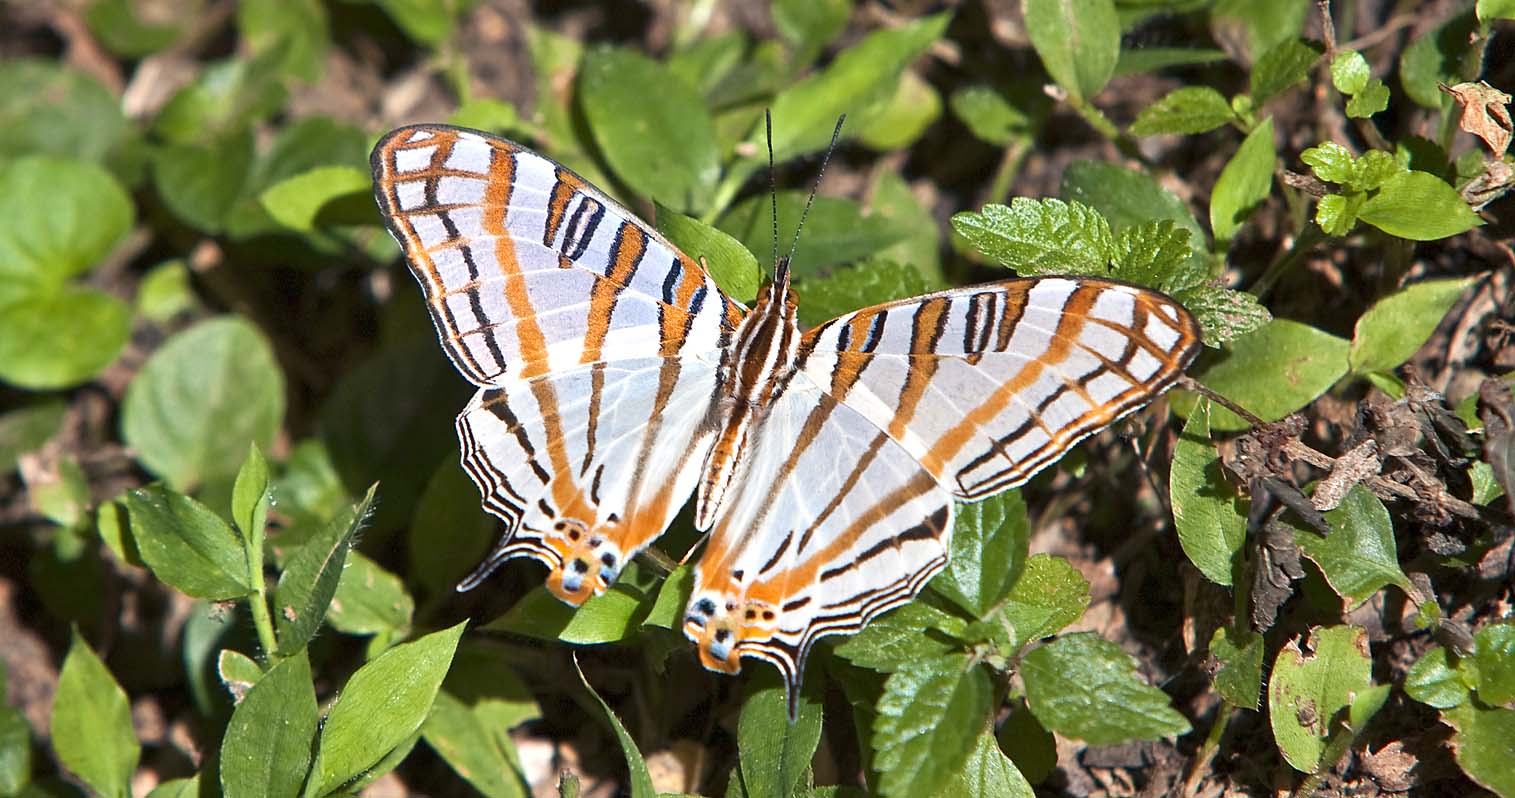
pixel 588 561
pixel 718 625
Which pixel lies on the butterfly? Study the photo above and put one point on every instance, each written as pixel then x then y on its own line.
pixel 615 380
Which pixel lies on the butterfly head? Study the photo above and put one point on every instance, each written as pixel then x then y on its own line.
pixel 589 561
pixel 716 623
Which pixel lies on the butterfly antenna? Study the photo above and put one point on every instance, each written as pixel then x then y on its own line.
pixel 773 186
pixel 825 159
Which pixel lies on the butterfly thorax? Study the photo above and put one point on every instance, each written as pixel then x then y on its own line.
pixel 754 371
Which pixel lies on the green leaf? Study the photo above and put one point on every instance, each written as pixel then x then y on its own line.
pixel 641 782
pixel 1035 238
pixel 298 202
pixel 1337 214
pixel 1495 661
pixel 266 750
pixel 774 753
pixel 805 113
pixel 58 337
pixel 607 618
pixel 1274 371
pixel 1244 183
pixel 1156 255
pixel 61 493
pixel 202 182
pixel 381 707
pixel 1395 327
pixel 900 119
pixel 1307 691
pixel 92 724
pixel 497 696
pixel 920 245
pixel 1082 686
pixel 651 126
pixel 487 114
pixel 852 288
pixel 1437 57
pixel 471 748
pixel 26 428
pixel 187 545
pixel 1419 206
pixel 1128 198
pixel 369 600
pixel 49 109
pixel 928 723
pixel 1435 680
pixel 238 673
pixel 989 115
pixel 1139 60
pixel 250 497
pixel 1349 71
pixel 116 24
pixel 1372 99
pixel 1049 595
pixel 1028 743
pixel 916 631
pixel 1495 9
pixel 1331 162
pixel 1484 745
pixel 1266 22
pixel 735 270
pixel 60 218
pixel 1358 556
pixel 1239 654
pixel 223 102
pixel 986 771
pixel 1223 314
pixel 807 25
pixel 836 232
pixel 1078 41
pixel 448 509
pixel 1188 110
pixel 989 549
pixel 311 576
pixel 293 31
pixel 668 608
pixel 427 22
pixel 1283 66
pixel 200 399
pixel 177 788
pixel 165 292
pixel 15 749
pixel 1209 515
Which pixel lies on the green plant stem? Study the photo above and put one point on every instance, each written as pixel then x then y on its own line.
pixel 1106 128
pixel 1200 765
pixel 1304 243
pixel 726 190
pixel 1009 166
pixel 263 620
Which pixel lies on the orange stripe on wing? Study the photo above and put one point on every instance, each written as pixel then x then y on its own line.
pixel 630 245
pixel 529 334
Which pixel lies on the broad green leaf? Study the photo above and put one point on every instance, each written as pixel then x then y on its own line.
pixel 916 631
pixel 1049 595
pixel 187 545
pixel 986 771
pixel 58 219
pixel 807 25
pixel 118 26
pixel 668 608
pixel 1274 371
pixel 1078 41
pixel 480 678
pixel 165 292
pixel 1239 655
pixel 1435 680
pixel 850 288
pixel 49 109
pixel 1419 206
pixel 448 510
pixel 92 724
pixel 199 400
pixel 900 119
pixel 266 749
pixel 928 723
pixel 920 247
pixel 1495 661
pixel 56 337
pixel 1266 22
pixel 735 269
pixel 708 62
pixel 1139 60
pixel 487 114
pixel 312 574
pixel 1484 744
pixel 989 549
pixel 1029 744
pixel 1035 238
pixel 472 749
pixel 1437 57
pixel 177 788
pixel 381 707
pixel 1391 331
pixel 298 202
pixel 1495 9
pixel 226 99
pixel 295 30
pixel 1244 183
pixel 15 749
pixel 1187 110
pixel 1306 691
pixel 1349 72
pixel 989 115
pixel 805 113
pixel 652 127
pixel 1358 556
pixel 26 428
pixel 1209 515
pixel 427 22
pixel 1128 198
pixel 641 782
pixel 836 232
pixel 607 618
pixel 1082 686
pixel 775 753
pixel 1285 65
pixel 369 600
pixel 202 182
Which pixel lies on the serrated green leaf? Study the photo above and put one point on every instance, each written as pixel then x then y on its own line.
pixel 1244 183
pixel 266 750
pixel 311 576
pixel 1306 691
pixel 1239 654
pixel 1419 206
pixel 381 707
pixel 1394 328
pixel 1349 71
pixel 734 268
pixel 1035 238
pixel 198 402
pixel 1330 162
pixel 641 782
pixel 1373 169
pixel 928 723
pixel 369 600
pixel 1129 198
pixel 989 549
pixel 1224 315
pixel 187 545
pixel 92 724
pixel 775 753
pixel 1283 66
pixel 1078 41
pixel 1187 110
pixel 1274 371
pixel 1495 661
pixel 1372 99
pixel 852 288
pixel 1082 686
pixel 913 632
pixel 1484 745
pixel 660 140
pixel 1209 515
pixel 1156 255
pixel 1049 595
pixel 987 771
pixel 1337 214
